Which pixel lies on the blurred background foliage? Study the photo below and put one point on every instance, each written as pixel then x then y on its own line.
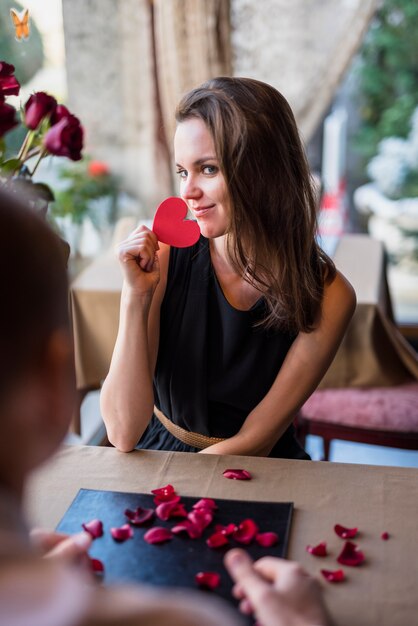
pixel 388 75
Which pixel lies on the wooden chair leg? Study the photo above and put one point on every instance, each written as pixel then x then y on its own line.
pixel 327 446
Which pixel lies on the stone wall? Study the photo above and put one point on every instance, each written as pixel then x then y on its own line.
pixel 110 85
pixel 300 46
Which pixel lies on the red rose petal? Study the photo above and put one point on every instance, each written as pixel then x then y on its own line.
pixel 208 580
pixel 227 530
pixel 336 576
pixel 140 516
pixel 385 536
pixel 165 494
pixel 201 517
pixel 94 528
pixel 193 530
pixel 350 555
pixel 122 533
pixel 158 534
pixel 166 510
pixel 205 503
pixel 97 566
pixel 237 474
pixel 246 531
pixel 217 540
pixel 267 539
pixel 318 550
pixel 345 533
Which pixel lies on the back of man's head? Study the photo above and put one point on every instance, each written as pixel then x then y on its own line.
pixel 33 290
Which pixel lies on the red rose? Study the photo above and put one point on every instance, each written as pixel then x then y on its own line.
pixel 7 118
pixel 98 168
pixel 60 112
pixel 65 138
pixel 39 105
pixel 9 86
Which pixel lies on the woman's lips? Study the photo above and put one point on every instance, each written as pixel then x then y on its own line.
pixel 202 211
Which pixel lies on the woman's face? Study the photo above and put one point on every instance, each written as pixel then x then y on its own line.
pixel 202 184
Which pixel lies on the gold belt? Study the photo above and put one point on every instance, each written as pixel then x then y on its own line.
pixel 186 436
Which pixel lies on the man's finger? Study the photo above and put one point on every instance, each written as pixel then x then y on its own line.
pixel 72 547
pixel 241 568
pixel 45 539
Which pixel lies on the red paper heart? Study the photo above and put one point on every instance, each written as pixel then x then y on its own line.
pixel 171 227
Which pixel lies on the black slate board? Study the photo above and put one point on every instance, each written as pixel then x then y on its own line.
pixel 176 562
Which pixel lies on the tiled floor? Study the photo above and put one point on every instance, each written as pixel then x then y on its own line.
pixel 341 451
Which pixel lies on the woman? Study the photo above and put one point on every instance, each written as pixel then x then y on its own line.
pixel 228 338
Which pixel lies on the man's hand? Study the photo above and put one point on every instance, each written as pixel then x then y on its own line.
pixel 278 592
pixel 53 545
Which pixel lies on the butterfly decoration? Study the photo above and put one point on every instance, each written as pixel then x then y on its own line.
pixel 21 23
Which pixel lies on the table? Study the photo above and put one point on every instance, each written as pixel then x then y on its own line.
pixel 372 354
pixel 380 592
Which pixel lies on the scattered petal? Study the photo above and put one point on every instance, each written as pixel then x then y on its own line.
pixel 158 534
pixel 208 580
pixel 165 510
pixel 97 566
pixel 217 540
pixel 140 516
pixel 227 530
pixel 246 531
pixel 205 503
pixel 336 576
pixel 267 539
pixel 385 536
pixel 165 494
pixel 201 517
pixel 345 533
pixel 237 474
pixel 94 528
pixel 350 555
pixel 318 550
pixel 193 530
pixel 122 533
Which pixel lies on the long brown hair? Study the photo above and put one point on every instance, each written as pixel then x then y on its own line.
pixel 273 218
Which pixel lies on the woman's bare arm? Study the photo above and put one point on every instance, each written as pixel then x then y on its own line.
pixel 127 397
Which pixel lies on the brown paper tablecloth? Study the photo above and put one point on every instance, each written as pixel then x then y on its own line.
pixel 373 352
pixel 382 592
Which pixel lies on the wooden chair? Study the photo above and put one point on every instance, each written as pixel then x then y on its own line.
pixel 386 416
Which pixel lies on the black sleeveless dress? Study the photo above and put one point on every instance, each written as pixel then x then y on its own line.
pixel 213 366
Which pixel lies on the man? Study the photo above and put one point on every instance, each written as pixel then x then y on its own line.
pixel 45 579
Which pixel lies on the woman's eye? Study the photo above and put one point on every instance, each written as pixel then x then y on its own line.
pixel 210 169
pixel 182 174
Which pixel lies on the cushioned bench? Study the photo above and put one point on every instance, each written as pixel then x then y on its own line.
pixel 385 416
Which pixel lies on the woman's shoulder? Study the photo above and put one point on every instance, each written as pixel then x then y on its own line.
pixel 341 290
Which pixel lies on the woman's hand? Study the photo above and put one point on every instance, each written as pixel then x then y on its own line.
pixel 278 592
pixel 139 261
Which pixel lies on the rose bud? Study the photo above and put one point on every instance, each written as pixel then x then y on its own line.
pixel 65 138
pixel 39 105
pixel 98 168
pixel 7 118
pixel 9 85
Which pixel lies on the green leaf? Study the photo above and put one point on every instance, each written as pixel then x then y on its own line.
pixel 10 166
pixel 42 191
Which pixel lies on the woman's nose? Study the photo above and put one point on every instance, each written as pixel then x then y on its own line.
pixel 190 188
